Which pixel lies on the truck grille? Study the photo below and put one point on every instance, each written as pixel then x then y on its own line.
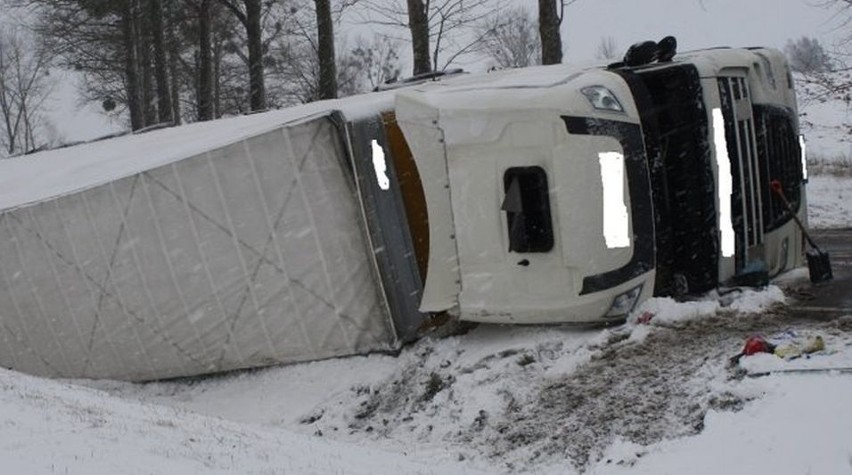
pixel 749 179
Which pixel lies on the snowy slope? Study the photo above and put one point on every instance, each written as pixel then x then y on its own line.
pixel 56 427
pixel 509 399
pixel 798 426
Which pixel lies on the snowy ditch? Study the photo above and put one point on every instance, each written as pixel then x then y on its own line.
pixel 518 399
pixel 556 401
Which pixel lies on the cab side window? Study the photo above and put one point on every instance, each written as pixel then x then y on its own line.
pixel 527 207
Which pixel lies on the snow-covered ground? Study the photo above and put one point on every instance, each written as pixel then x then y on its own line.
pixel 659 397
pixel 827 126
pixel 655 397
pixel 60 427
pixel 830 201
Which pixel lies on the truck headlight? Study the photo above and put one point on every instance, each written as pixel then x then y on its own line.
pixel 624 303
pixel 602 98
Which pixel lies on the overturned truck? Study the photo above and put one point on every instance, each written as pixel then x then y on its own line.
pixel 572 194
pixel 550 194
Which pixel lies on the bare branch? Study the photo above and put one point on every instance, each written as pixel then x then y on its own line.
pixel 241 16
pixel 449 26
pixel 607 49
pixel 510 39
pixel 24 88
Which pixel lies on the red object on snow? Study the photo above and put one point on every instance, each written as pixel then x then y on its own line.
pixel 757 344
pixel 753 345
pixel 645 318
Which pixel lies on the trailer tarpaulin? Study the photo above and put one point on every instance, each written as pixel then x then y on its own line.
pixel 245 255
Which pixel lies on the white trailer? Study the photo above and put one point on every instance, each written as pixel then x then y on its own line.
pixel 204 248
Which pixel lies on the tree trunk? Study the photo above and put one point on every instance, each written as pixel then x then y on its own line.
pixel 131 72
pixel 217 84
pixel 255 56
pixel 6 100
pixel 155 20
pixel 147 73
pixel 548 27
pixel 325 38
pixel 173 73
pixel 205 63
pixel 29 134
pixel 418 23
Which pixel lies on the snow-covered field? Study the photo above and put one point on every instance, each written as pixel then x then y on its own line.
pixel 830 201
pixel 655 397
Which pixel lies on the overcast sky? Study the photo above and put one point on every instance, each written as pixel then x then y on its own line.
pixel 695 23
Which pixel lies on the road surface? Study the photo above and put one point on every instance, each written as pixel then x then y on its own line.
pixel 833 298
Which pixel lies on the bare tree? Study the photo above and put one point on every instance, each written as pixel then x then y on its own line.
pixel 548 27
pixel 806 55
pixel 418 24
pixel 325 50
pixel 24 87
pixel 550 16
pixel 510 39
pixel 294 60
pixel 148 60
pixel 449 25
pixel 822 79
pixel 607 49
pixel 130 37
pixel 250 16
pixel 822 75
pixel 204 100
pixel 376 60
pixel 164 99
pixel 110 43
pixel 174 49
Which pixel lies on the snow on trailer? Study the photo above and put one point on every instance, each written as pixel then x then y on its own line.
pixel 209 247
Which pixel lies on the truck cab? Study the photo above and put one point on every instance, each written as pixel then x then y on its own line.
pixel 719 126
pixel 538 195
pixel 570 194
